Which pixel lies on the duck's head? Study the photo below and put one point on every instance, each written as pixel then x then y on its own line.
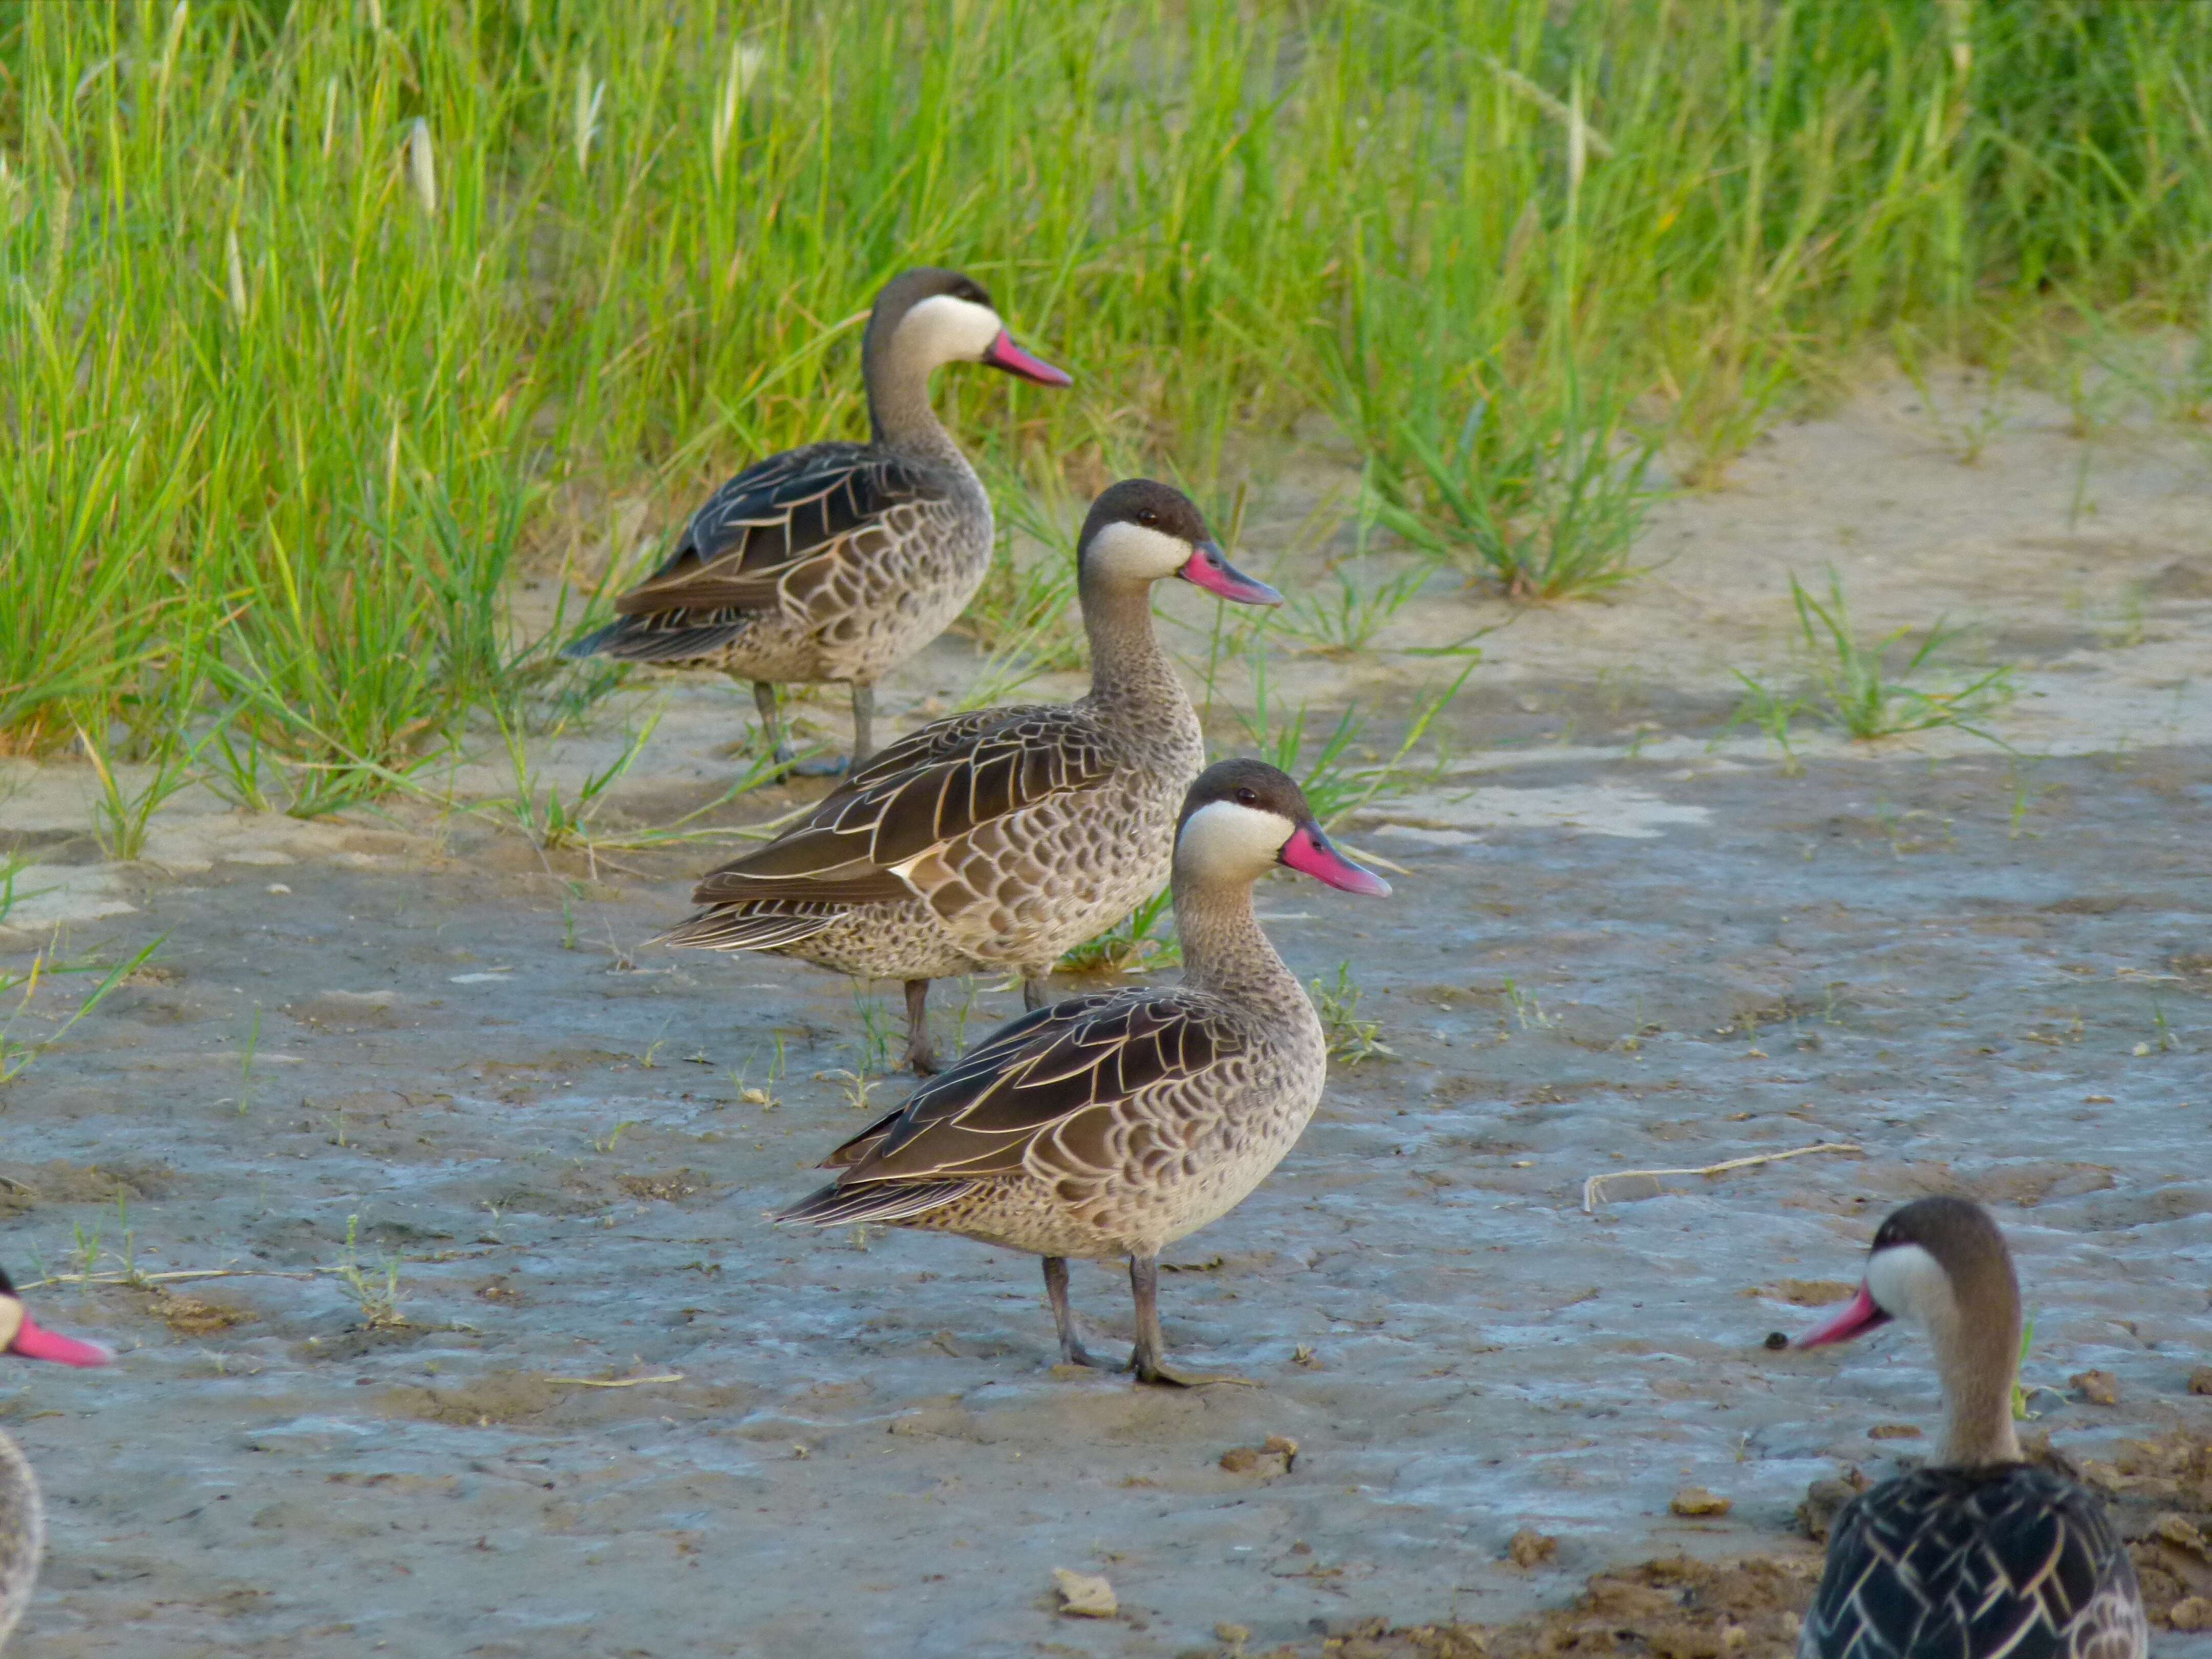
pixel 21 1336
pixel 1243 816
pixel 1937 1263
pixel 1139 531
pixel 933 316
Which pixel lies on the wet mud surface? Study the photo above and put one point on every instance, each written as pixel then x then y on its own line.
pixel 839 1444
pixel 507 1361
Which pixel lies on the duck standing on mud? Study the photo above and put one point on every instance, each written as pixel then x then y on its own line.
pixel 1978 1555
pixel 23 1517
pixel 1114 1124
pixel 838 562
pixel 1004 838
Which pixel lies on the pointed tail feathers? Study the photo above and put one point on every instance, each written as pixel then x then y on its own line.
pixel 885 1202
pixel 637 639
pixel 742 928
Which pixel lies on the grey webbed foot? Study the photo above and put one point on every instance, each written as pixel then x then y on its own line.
pixel 1146 1360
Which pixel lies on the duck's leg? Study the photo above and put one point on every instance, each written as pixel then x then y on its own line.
pixel 771 721
pixel 864 723
pixel 1147 1357
pixel 1071 1350
pixel 779 740
pixel 1033 989
pixel 920 1053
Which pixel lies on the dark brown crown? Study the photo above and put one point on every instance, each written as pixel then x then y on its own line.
pixel 1247 782
pixel 1147 502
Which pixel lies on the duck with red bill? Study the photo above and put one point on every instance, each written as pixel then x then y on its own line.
pixel 834 563
pixel 1114 1124
pixel 23 1517
pixel 1976 1553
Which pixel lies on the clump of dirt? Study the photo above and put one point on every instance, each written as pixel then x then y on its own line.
pixel 2161 1491
pixel 667 1188
pixel 1529 1548
pixel 192 1315
pixel 498 1397
pixel 25 1187
pixel 1812 1293
pixel 1280 1456
pixel 1672 1608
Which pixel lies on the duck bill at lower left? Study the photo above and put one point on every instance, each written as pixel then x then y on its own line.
pixel 36 1342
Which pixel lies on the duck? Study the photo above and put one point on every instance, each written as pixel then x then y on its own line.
pixel 1112 1124
pixel 1005 837
pixel 1977 1554
pixel 835 562
pixel 22 1518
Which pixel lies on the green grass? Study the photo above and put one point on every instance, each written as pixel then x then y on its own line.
pixel 1351 1039
pixel 1142 942
pixel 316 320
pixel 1545 498
pixel 1340 770
pixel 1864 687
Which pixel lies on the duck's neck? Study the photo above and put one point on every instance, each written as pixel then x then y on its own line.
pixel 900 417
pixel 1224 950
pixel 1128 667
pixel 1978 1367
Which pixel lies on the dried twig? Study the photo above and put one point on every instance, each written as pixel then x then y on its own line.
pixel 616 1382
pixel 1594 1189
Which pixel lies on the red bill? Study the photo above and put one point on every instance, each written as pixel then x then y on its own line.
pixel 1309 852
pixel 1209 568
pixel 1003 353
pixel 35 1342
pixel 1864 1314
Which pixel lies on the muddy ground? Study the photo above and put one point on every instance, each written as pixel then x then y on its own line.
pixel 1625 940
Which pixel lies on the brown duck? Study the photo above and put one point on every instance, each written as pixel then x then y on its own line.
pixel 1114 1124
pixel 1977 1555
pixel 836 563
pixel 1001 839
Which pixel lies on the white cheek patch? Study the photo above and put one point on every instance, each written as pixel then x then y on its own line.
pixel 1132 553
pixel 1908 1282
pixel 1224 837
pixel 949 330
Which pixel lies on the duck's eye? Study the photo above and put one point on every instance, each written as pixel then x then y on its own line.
pixel 1247 798
pixel 1145 515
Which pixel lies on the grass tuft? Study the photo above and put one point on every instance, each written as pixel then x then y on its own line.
pixel 1350 1038
pixel 1855 686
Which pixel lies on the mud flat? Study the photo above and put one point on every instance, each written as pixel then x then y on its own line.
pixel 509 1363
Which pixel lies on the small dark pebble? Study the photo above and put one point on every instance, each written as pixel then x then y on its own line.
pixel 1776 1341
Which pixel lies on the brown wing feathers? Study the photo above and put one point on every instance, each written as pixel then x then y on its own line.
pixel 759 528
pixel 848 849
pixel 1052 1077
